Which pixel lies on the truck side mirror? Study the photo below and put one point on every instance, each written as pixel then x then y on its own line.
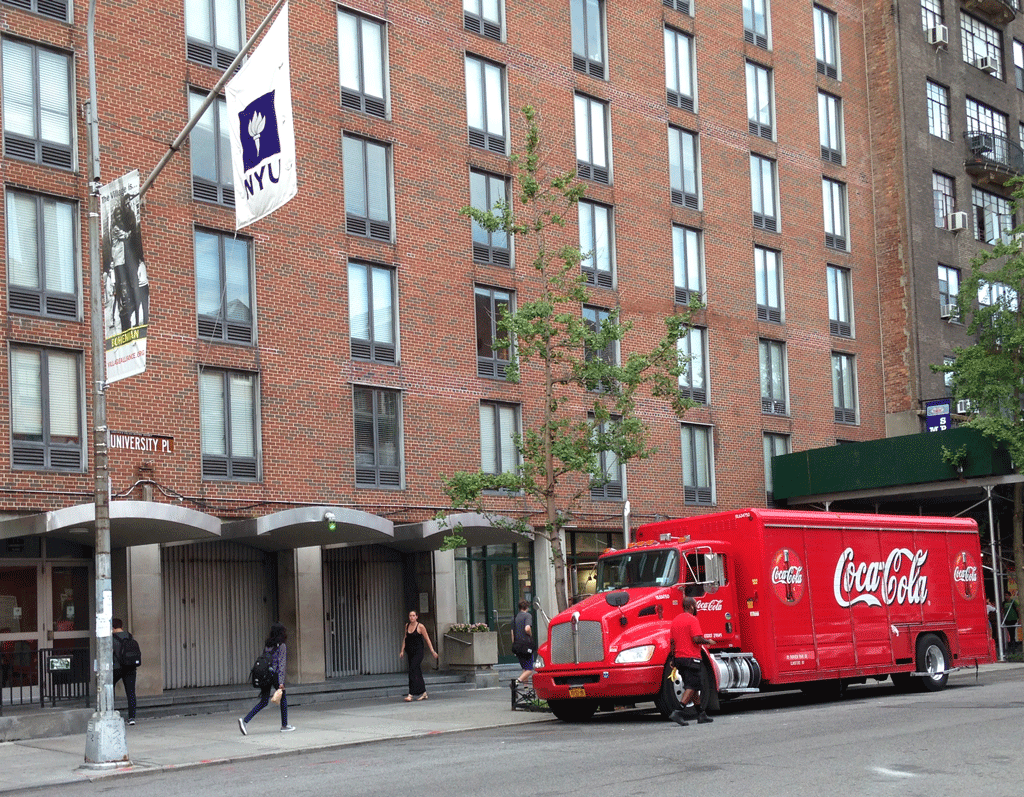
pixel 617 599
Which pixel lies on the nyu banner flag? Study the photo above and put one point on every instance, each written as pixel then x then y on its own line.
pixel 259 103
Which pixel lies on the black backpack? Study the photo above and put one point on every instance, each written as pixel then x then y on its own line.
pixel 262 674
pixel 130 654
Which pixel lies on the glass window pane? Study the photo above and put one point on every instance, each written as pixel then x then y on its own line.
pixel 19 100
pixel 236 276
pixel 208 283
pixel 358 301
pixel 197 20
pixel 203 140
pixel 377 182
pixel 213 429
pixel 495 105
pixel 383 311
pixel 27 401
pixel 348 51
pixel 63 394
pixel 243 414
pixel 54 98
pixel 22 244
pixel 373 59
pixel 225 15
pixel 59 238
pixel 355 177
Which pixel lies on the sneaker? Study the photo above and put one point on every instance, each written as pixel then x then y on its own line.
pixel 287 729
pixel 677 717
pixel 702 718
pixel 241 726
pixel 131 722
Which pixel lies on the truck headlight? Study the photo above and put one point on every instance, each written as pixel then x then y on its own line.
pixel 635 655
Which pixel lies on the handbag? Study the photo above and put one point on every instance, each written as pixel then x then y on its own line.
pixel 277 696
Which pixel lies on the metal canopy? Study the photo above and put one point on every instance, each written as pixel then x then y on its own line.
pixel 131 523
pixel 309 526
pixel 477 529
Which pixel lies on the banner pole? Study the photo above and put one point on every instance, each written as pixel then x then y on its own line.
pixel 194 119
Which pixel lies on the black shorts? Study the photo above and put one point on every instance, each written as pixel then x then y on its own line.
pixel 689 671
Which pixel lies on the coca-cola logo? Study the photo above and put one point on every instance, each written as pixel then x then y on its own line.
pixel 965 575
pixel 715 605
pixel 787 576
pixel 897 579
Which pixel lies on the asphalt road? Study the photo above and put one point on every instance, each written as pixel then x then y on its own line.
pixel 875 742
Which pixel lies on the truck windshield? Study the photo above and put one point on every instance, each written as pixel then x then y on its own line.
pixel 643 568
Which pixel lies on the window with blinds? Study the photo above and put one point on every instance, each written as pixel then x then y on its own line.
pixel 367 188
pixel 213 31
pixel 493 354
pixel 489 192
pixel 698 464
pixel 607 482
pixel 228 425
pixel 372 313
pixel 41 255
pixel 362 72
pixel 499 430
pixel 687 264
pixel 37 105
pixel 378 437
pixel 596 251
pixel 46 409
pixel 210 152
pixel 224 294
pixel 593 150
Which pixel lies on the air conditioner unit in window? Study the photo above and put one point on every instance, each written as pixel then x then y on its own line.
pixel 948 311
pixel 939 35
pixel 956 221
pixel 986 64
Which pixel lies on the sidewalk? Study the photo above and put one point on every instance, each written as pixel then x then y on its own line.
pixel 166 743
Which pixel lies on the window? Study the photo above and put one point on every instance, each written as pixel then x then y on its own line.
pixel 483 17
pixel 361 61
pixel 833 197
pixel 607 482
pixel 680 78
pixel 949 289
pixel 993 216
pixel 844 388
pixel 372 312
pixel 596 244
pixel 759 100
pixel 996 293
pixel 1018 64
pixel 228 423
pixel 840 303
pixel 213 31
pixel 774 445
pixel 499 428
pixel 773 376
pixel 943 197
pixel 46 409
pixel 938 110
pixel 594 318
pixel 378 437
pixel 763 193
pixel 698 467
pixel 983 119
pixel 947 376
pixel 693 381
pixel 367 191
pixel 830 127
pixel 931 14
pixel 687 264
pixel 55 9
pixel 210 149
pixel 683 160
pixel 593 153
pixel 588 36
pixel 486 192
pixel 682 6
pixel 491 304
pixel 224 295
pixel 982 45
pixel 485 104
pixel 37 105
pixel 826 42
pixel 41 260
pixel 755 22
pixel 768 273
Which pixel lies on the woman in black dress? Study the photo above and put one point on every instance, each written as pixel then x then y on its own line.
pixel 412 646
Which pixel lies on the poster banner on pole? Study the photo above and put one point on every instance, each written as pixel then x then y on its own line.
pixel 125 281
pixel 262 133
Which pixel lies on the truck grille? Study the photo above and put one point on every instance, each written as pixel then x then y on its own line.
pixel 591 643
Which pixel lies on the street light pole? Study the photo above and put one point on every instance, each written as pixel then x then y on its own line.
pixel 105 743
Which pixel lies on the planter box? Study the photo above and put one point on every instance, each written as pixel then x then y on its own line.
pixel 471 650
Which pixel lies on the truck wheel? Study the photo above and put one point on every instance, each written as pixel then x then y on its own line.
pixel 708 692
pixel 933 658
pixel 573 710
pixel 667 700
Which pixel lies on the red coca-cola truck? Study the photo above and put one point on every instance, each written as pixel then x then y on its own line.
pixel 811 600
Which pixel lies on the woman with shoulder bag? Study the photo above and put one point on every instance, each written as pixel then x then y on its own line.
pixel 277 647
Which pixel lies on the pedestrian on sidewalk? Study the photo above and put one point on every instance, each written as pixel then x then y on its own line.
pixel 124 669
pixel 412 646
pixel 275 646
pixel 686 639
pixel 522 641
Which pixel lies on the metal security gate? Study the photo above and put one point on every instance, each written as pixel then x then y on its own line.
pixel 364 605
pixel 219 601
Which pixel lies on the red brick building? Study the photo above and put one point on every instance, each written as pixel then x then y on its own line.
pixel 335 357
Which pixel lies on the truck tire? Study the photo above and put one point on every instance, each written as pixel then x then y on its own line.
pixel 933 658
pixel 573 710
pixel 667 700
pixel 708 692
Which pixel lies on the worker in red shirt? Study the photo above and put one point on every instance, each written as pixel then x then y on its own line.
pixel 686 641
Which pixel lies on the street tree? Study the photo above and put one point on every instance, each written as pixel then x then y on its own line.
pixel 990 373
pixel 587 425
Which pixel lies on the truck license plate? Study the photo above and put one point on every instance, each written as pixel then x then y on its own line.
pixel 577 691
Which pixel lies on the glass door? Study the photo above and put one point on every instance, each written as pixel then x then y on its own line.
pixel 504 590
pixel 20 631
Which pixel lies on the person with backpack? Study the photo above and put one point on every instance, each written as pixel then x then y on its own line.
pixel 127 659
pixel 268 674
